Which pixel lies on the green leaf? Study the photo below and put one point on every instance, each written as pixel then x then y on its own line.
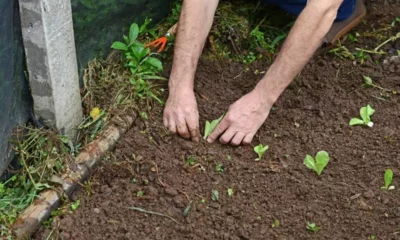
pixel 155 62
pixel 230 192
pixel 367 80
pixel 138 50
pixel 321 160
pixel 133 33
pixel 310 163
pixel 214 195
pixel 75 205
pixel 356 121
pixel 210 126
pixel 388 178
pixel 260 150
pixel 366 113
pixel 119 46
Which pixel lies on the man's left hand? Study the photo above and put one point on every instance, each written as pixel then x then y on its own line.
pixel 243 119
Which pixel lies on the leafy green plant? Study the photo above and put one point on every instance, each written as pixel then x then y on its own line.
pixel 388 178
pixel 276 223
pixel 210 126
pixel 230 192
pixel 365 113
pixel 260 150
pixel 312 227
pixel 214 195
pixel 139 194
pixel 320 162
pixel 191 160
pixel 75 205
pixel 219 168
pixel 141 63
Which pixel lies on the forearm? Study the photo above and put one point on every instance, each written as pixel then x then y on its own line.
pixel 194 24
pixel 303 40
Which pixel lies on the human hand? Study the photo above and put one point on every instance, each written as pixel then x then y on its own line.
pixel 181 115
pixel 243 119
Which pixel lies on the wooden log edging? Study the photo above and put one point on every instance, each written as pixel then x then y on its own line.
pixel 29 220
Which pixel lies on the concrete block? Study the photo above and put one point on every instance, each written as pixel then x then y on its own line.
pixel 48 35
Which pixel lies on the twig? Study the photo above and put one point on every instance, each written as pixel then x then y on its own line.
pixel 153 213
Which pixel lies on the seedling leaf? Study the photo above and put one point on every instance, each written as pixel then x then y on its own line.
pixel 368 81
pixel 356 121
pixel 119 46
pixel 210 126
pixel 133 32
pixel 388 177
pixel 75 205
pixel 260 150
pixel 321 159
pixel 366 113
pixel 230 192
pixel 310 163
pixel 155 63
pixel 214 195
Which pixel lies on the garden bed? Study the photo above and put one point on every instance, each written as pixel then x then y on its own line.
pixel 273 198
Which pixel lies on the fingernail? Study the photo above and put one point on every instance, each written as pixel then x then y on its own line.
pixel 209 140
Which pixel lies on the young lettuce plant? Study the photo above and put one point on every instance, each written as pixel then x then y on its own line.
pixel 210 126
pixel 388 178
pixel 260 150
pixel 320 162
pixel 365 113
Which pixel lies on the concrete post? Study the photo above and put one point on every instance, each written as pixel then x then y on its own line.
pixel 48 34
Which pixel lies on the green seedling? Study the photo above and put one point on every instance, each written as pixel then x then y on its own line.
pixel 368 82
pixel 365 113
pixel 75 205
pixel 276 223
pixel 203 201
pixel 228 157
pixel 259 218
pixel 230 192
pixel 312 227
pixel 146 182
pixel 219 168
pixel 134 180
pixel 320 162
pixel 210 126
pixel 372 237
pixel 139 194
pixel 191 160
pixel 388 178
pixel 214 195
pixel 260 150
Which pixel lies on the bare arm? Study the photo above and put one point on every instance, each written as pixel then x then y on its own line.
pixel 180 113
pixel 246 115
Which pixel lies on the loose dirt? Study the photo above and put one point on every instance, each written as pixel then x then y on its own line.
pixel 346 201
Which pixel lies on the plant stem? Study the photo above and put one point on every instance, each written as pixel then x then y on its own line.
pixel 153 213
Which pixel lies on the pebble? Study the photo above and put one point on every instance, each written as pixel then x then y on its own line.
pixel 96 210
pixel 178 200
pixel 171 192
pixel 369 194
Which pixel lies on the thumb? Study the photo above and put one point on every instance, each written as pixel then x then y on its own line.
pixel 221 127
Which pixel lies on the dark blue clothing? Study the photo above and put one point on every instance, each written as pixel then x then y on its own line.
pixel 296 6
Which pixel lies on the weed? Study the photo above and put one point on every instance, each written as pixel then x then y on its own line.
pixel 191 160
pixel 141 63
pixel 219 168
pixel 146 182
pixel 203 201
pixel 75 205
pixel 372 237
pixel 139 194
pixel 259 218
pixel 214 195
pixel 312 227
pixel 210 126
pixel 353 38
pixel 228 157
pixel 134 180
pixel 388 178
pixel 143 115
pixel 230 192
pixel 365 113
pixel 276 223
pixel 320 162
pixel 260 150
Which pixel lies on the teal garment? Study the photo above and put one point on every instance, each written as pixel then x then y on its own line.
pixel 296 6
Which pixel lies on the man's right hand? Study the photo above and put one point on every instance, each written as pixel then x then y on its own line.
pixel 181 115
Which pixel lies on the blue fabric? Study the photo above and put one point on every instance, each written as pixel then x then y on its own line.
pixel 296 6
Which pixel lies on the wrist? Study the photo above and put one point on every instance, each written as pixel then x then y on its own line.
pixel 269 91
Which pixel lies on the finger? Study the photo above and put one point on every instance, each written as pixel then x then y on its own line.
pixel 248 138
pixel 182 129
pixel 193 126
pixel 165 122
pixel 222 126
pixel 227 136
pixel 172 126
pixel 237 139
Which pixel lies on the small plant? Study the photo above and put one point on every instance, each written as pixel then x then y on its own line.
pixel 276 223
pixel 191 160
pixel 260 150
pixel 139 194
pixel 388 178
pixel 312 227
pixel 230 192
pixel 365 113
pixel 214 195
pixel 75 205
pixel 219 168
pixel 228 157
pixel 320 162
pixel 372 237
pixel 134 180
pixel 210 126
pixel 146 182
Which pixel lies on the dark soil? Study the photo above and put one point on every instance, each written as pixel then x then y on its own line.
pixel 346 201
